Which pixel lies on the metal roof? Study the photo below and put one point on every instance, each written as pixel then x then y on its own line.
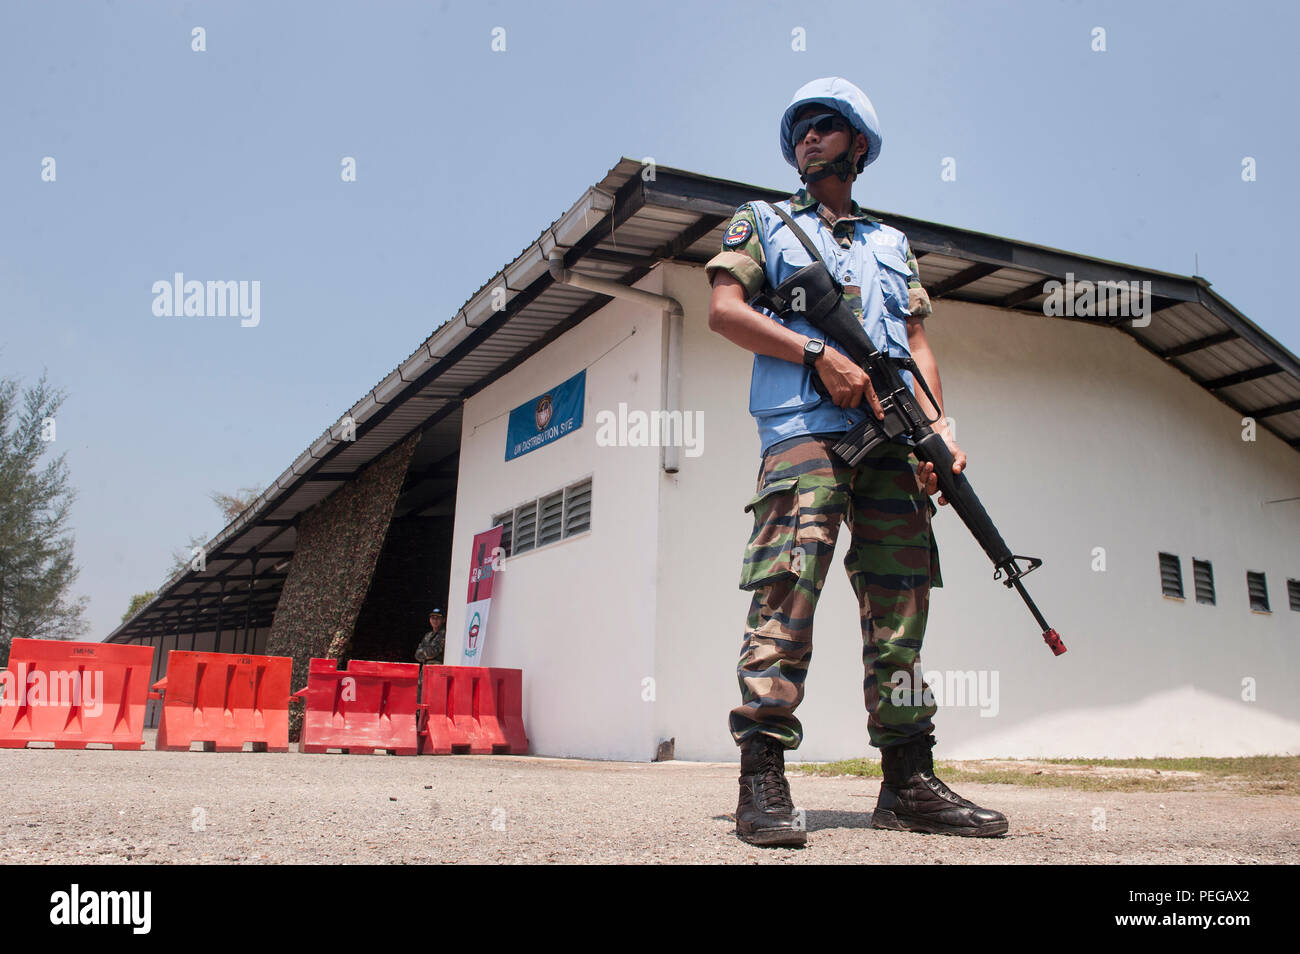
pixel 619 229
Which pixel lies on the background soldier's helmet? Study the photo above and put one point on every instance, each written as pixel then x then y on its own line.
pixel 843 97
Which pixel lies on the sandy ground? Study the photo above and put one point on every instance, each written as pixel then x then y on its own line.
pixel 99 806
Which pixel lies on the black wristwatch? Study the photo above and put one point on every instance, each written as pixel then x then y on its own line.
pixel 812 350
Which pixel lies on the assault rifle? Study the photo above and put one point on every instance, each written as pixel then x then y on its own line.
pixel 824 307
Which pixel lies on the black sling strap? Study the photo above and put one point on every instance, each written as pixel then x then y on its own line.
pixel 768 297
pixel 799 233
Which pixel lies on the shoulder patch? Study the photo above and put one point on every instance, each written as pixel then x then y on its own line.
pixel 737 235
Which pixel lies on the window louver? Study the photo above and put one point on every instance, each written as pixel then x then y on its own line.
pixel 1257 587
pixel 551 523
pixel 577 508
pixel 546 520
pixel 1171 575
pixel 525 535
pixel 1203 577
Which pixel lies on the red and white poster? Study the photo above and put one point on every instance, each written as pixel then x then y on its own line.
pixel 479 598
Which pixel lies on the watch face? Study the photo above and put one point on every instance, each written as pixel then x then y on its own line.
pixel 812 351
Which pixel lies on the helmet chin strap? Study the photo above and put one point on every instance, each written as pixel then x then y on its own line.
pixel 841 166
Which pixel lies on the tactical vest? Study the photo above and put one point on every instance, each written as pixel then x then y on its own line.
pixel 782 397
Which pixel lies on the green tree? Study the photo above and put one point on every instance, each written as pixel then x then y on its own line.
pixel 36 561
pixel 136 602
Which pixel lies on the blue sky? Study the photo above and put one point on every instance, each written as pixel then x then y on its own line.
pixel 224 164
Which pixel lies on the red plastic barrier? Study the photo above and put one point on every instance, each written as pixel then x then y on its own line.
pixel 472 709
pixel 74 694
pixel 368 706
pixel 224 700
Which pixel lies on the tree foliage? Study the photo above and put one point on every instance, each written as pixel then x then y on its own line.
pixel 36 560
pixel 140 599
pixel 232 505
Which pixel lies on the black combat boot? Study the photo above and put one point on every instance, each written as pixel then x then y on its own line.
pixel 765 814
pixel 912 799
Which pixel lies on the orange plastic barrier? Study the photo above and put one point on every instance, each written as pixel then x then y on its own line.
pixel 224 700
pixel 74 694
pixel 472 709
pixel 368 706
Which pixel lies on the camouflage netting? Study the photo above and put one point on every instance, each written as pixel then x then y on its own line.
pixel 339 541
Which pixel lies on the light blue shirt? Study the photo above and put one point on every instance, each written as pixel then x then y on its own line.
pixel 782 397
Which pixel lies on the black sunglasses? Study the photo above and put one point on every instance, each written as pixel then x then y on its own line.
pixel 823 123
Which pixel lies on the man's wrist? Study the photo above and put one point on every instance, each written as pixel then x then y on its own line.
pixel 813 350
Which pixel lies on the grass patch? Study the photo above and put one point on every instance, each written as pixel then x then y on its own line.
pixel 1253 775
pixel 867 768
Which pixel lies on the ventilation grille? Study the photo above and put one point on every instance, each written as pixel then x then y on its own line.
pixel 525 535
pixel 552 522
pixel 1203 577
pixel 577 508
pixel 1171 575
pixel 1257 587
pixel 546 520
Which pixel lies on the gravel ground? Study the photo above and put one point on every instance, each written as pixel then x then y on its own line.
pixel 99 806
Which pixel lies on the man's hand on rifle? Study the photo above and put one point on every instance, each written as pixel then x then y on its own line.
pixel 925 474
pixel 847 383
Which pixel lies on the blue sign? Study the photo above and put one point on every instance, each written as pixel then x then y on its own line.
pixel 546 417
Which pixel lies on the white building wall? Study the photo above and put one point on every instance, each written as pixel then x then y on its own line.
pixel 1078 439
pixel 577 616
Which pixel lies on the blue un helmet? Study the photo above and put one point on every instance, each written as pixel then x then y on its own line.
pixel 850 102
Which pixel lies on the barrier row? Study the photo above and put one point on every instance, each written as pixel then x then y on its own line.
pixel 78 694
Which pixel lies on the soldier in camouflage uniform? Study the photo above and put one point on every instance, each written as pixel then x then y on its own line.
pixel 804 491
pixel 430 650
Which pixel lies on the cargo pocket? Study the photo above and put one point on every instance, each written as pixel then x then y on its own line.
pixel 776 524
pixel 894 277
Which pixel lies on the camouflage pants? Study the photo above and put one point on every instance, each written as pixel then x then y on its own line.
pixel 804 493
